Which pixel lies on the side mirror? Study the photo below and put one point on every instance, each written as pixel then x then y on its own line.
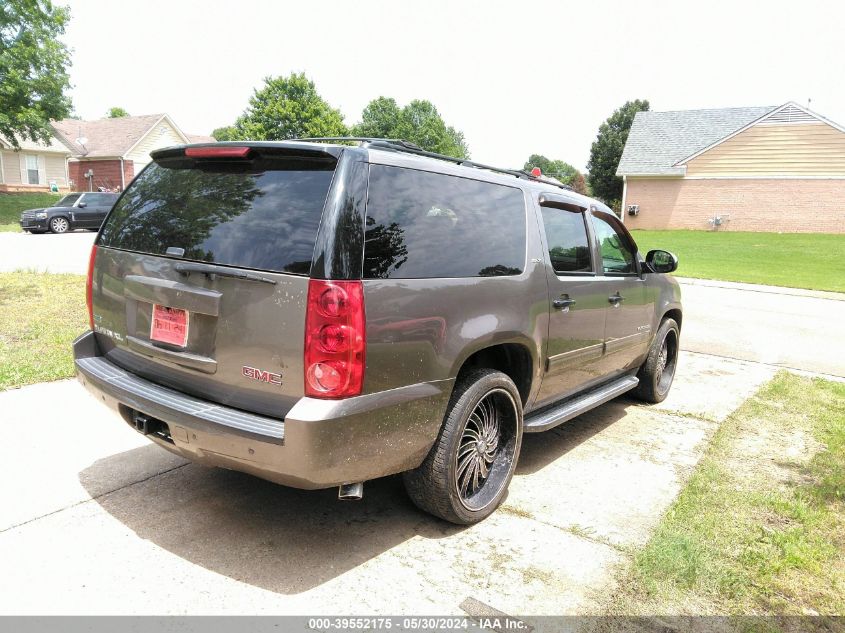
pixel 661 261
pixel 82 205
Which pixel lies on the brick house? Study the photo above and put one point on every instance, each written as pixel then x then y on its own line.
pixel 109 152
pixel 779 168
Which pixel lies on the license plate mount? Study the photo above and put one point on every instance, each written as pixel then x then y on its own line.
pixel 169 325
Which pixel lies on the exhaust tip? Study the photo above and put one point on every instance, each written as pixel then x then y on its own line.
pixel 350 492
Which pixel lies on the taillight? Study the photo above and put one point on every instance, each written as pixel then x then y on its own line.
pixel 89 286
pixel 335 339
pixel 217 152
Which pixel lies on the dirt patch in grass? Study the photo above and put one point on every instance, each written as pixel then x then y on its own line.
pixel 759 528
pixel 40 315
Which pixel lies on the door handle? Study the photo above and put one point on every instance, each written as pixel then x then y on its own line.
pixel 616 299
pixel 563 302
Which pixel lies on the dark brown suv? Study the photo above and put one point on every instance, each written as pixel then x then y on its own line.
pixel 323 314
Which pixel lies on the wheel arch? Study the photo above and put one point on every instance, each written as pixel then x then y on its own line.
pixel 513 358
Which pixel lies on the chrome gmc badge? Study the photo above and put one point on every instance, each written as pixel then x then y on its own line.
pixel 261 376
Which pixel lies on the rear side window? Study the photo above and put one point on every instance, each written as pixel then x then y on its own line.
pixel 566 234
pixel 261 214
pixel 423 225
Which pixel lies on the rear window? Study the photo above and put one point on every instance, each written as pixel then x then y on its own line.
pixel 261 214
pixel 421 224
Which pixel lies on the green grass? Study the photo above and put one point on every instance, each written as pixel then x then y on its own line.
pixel 796 260
pixel 11 205
pixel 760 526
pixel 40 315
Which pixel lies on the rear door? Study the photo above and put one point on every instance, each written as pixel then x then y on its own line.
pixel 577 303
pixel 201 274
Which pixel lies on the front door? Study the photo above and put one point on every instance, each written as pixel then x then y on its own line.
pixel 577 306
pixel 629 308
pixel 97 205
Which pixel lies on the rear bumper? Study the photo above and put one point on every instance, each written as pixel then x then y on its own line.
pixel 319 444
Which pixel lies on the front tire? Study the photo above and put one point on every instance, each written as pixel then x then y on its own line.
pixel 658 370
pixel 59 225
pixel 466 474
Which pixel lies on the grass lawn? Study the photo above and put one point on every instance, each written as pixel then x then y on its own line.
pixel 40 315
pixel 797 260
pixel 11 205
pixel 760 526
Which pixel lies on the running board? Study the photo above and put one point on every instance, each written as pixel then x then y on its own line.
pixel 558 414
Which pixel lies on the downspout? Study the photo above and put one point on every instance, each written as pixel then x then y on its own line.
pixel 122 175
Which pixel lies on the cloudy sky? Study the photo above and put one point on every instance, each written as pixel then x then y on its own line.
pixel 517 77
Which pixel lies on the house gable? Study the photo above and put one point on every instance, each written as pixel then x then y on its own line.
pixel 163 133
pixel 790 141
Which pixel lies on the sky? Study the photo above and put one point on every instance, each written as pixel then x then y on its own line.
pixel 517 78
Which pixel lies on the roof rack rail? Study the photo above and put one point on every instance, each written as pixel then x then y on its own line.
pixel 400 145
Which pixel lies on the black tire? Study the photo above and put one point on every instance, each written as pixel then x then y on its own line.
pixel 59 224
pixel 435 486
pixel 658 371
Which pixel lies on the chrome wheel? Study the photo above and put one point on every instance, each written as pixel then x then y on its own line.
pixel 486 450
pixel 59 225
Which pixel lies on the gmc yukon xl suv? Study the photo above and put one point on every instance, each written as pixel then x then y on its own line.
pixel 323 314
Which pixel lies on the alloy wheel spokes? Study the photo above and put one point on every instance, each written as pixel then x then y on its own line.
pixel 478 447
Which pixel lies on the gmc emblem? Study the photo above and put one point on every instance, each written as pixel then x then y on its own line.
pixel 261 376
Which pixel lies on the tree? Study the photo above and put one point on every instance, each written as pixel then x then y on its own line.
pixel 288 107
pixel 607 150
pixel 117 113
pixel 558 169
pixel 225 133
pixel 418 122
pixel 33 63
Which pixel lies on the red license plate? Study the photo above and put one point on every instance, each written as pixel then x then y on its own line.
pixel 170 325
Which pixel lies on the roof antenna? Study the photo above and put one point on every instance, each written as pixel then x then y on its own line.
pixel 81 140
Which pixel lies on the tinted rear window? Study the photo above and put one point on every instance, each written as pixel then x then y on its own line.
pixel 421 224
pixel 261 214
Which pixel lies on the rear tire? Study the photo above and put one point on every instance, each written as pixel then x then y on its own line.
pixel 466 474
pixel 59 224
pixel 658 371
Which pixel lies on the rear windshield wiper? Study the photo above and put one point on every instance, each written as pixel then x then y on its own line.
pixel 211 270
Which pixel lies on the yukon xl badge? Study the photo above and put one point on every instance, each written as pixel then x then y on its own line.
pixel 261 376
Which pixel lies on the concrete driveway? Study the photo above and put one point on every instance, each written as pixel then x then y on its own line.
pixel 94 519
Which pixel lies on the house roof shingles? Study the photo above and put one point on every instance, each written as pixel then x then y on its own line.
pixel 26 145
pixel 106 137
pixel 658 140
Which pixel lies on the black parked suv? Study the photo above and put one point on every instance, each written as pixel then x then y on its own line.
pixel 78 210
pixel 324 314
